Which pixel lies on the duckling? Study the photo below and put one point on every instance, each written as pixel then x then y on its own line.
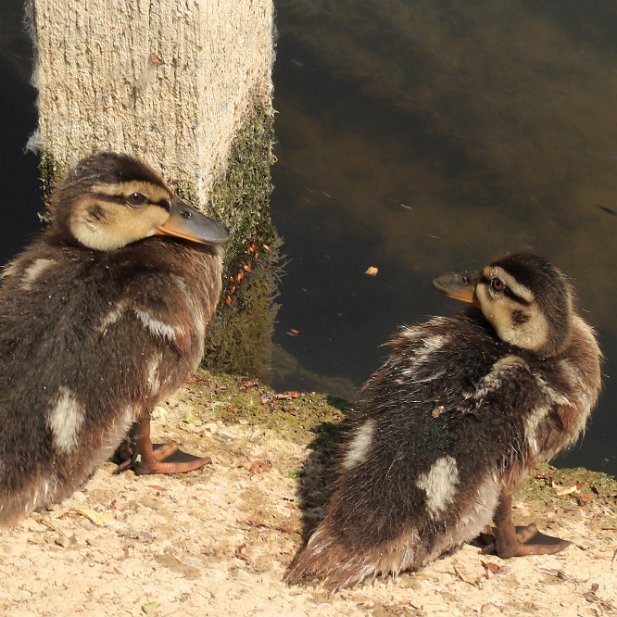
pixel 458 414
pixel 101 318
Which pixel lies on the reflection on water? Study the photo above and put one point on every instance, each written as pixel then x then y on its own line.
pixel 423 136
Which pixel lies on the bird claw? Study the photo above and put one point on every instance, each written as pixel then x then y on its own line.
pixel 165 459
pixel 527 541
pixel 182 462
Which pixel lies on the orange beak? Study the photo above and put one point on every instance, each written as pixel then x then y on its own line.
pixel 458 285
pixel 187 223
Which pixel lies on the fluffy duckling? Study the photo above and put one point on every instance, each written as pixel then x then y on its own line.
pixel 462 409
pixel 101 318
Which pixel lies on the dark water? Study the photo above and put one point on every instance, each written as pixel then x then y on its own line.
pixel 417 137
pixel 426 136
pixel 18 171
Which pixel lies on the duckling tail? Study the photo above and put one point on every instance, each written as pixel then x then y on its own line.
pixel 15 506
pixel 339 566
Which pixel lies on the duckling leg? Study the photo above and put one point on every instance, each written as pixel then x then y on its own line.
pixel 146 460
pixel 510 543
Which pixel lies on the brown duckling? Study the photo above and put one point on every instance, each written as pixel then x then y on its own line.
pixel 101 318
pixel 459 413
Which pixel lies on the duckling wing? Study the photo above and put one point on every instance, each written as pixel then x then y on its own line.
pixel 421 462
pixel 443 421
pixel 88 344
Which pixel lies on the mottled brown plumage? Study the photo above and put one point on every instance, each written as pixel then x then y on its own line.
pixel 462 409
pixel 101 318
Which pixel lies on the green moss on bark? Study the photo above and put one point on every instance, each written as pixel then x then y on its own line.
pixel 50 174
pixel 240 338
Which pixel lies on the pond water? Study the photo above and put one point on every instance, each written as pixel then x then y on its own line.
pixel 416 137
pixel 18 171
pixel 421 136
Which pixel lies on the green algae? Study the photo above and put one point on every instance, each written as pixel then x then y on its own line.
pixel 50 174
pixel 285 366
pixel 240 338
pixel 554 487
pixel 298 416
pixel 314 419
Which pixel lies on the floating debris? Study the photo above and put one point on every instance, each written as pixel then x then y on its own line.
pixel 607 209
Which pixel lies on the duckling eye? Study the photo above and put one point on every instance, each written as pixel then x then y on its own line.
pixel 497 284
pixel 136 199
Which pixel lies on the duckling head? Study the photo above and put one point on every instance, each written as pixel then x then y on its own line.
pixel 527 300
pixel 111 200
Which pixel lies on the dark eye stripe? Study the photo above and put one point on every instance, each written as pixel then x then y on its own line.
pixel 514 297
pixel 164 203
pixel 117 199
pixel 507 291
pixel 121 199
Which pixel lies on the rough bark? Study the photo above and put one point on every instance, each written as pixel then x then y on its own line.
pixel 168 81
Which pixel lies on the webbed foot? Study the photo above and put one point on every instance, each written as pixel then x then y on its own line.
pixel 145 458
pixel 510 541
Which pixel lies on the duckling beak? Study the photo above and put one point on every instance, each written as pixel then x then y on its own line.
pixel 458 285
pixel 187 223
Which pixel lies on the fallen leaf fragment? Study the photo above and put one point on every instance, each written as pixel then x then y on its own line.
pixel 191 418
pixel 156 59
pixel 260 467
pixel 561 491
pixel 552 572
pixel 463 577
pixel 98 518
pixel 240 552
pixel 372 271
pixel 408 603
pixel 593 598
pixel 149 608
pixel 65 541
pixel 258 522
pixel 288 394
pixel 491 568
pixel 117 505
pixel 282 396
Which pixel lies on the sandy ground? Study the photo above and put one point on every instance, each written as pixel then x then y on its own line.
pixel 218 541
